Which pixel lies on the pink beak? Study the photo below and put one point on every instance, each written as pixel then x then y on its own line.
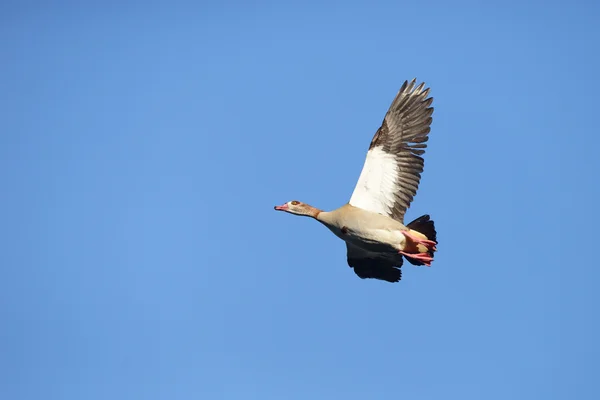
pixel 282 207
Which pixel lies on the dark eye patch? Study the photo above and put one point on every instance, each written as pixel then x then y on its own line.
pixel 295 203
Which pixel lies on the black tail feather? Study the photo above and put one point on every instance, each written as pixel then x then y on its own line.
pixel 424 224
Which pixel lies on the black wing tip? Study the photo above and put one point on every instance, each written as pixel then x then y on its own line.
pixel 388 273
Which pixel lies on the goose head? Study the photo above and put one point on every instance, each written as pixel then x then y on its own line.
pixel 298 208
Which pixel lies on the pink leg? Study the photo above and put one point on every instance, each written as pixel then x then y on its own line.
pixel 430 244
pixel 423 257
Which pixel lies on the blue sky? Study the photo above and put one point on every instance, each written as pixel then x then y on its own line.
pixel 142 152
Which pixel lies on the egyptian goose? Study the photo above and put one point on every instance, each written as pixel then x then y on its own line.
pixel 372 222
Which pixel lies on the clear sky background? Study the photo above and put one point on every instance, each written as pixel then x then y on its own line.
pixel 143 147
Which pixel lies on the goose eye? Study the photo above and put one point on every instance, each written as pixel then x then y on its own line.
pixel 295 203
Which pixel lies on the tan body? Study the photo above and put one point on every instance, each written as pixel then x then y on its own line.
pixel 370 231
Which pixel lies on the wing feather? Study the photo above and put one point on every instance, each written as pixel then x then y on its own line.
pixel 375 266
pixel 392 171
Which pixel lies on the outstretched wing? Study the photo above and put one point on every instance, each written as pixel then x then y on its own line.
pixel 392 171
pixel 370 265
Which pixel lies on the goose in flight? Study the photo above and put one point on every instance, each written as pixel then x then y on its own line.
pixel 372 222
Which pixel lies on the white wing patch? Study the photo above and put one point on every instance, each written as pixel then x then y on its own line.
pixel 377 183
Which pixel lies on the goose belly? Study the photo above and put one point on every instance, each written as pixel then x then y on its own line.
pixel 375 240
